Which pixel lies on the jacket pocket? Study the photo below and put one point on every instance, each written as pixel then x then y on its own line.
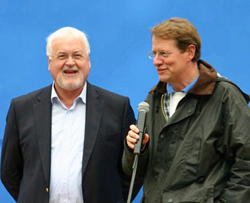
pixel 190 195
pixel 192 154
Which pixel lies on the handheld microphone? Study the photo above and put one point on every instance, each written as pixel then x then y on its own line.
pixel 143 109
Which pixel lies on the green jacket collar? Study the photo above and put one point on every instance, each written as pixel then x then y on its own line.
pixel 204 85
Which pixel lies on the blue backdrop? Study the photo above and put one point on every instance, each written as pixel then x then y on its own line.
pixel 119 38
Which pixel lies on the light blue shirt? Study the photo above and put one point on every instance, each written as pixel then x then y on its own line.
pixel 170 88
pixel 172 98
pixel 67 141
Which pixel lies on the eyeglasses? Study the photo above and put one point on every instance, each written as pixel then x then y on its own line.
pixel 77 56
pixel 161 54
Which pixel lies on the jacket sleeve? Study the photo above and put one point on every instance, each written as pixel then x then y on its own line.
pixel 128 160
pixel 237 148
pixel 129 119
pixel 11 158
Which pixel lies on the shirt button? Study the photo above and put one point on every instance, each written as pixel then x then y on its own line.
pixel 161 136
pixel 170 200
pixel 189 111
pixel 155 177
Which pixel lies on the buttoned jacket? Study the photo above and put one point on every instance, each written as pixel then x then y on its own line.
pixel 26 150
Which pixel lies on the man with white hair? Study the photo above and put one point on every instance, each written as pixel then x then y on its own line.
pixel 64 142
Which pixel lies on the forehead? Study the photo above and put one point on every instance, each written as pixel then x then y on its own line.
pixel 163 44
pixel 67 44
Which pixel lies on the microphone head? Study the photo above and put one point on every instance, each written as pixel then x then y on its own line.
pixel 143 106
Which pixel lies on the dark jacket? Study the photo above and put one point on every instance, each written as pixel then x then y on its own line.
pixel 202 153
pixel 26 150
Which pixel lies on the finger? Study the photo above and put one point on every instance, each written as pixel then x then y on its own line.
pixel 134 129
pixel 134 135
pixel 131 146
pixel 146 138
pixel 131 141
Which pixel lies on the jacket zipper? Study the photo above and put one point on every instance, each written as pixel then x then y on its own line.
pixel 162 107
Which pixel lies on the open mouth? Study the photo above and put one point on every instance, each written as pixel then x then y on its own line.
pixel 70 72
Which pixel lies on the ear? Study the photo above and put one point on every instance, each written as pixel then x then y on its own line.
pixel 89 64
pixel 190 52
pixel 49 61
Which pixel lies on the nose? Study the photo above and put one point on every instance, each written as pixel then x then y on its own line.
pixel 157 60
pixel 70 61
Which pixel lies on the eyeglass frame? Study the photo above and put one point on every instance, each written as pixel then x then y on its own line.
pixel 63 56
pixel 160 54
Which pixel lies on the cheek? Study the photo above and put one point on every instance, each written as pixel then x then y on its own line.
pixel 55 69
pixel 170 61
pixel 85 72
pixel 85 67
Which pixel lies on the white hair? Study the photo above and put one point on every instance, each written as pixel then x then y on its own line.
pixel 66 32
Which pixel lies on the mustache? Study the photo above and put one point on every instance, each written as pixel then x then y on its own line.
pixel 74 68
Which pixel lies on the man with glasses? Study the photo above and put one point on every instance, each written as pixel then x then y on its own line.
pixel 197 146
pixel 64 143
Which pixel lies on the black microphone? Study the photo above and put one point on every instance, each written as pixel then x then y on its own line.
pixel 143 109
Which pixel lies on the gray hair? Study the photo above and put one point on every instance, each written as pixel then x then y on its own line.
pixel 64 32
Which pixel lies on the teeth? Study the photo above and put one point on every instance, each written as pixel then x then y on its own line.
pixel 70 71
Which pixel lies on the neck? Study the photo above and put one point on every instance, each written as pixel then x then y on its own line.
pixel 188 76
pixel 67 97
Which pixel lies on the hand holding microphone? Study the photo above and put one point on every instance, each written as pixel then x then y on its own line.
pixel 136 136
pixel 133 136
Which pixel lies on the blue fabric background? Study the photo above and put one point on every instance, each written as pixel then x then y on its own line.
pixel 119 37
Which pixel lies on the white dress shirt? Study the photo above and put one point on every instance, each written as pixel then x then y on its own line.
pixel 174 100
pixel 174 97
pixel 67 141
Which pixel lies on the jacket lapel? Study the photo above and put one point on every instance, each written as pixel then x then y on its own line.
pixel 183 111
pixel 94 111
pixel 42 114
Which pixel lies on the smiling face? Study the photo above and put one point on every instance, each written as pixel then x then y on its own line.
pixel 69 65
pixel 171 67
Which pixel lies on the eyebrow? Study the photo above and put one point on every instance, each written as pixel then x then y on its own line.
pixel 74 52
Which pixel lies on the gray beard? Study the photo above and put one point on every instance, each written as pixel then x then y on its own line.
pixel 68 83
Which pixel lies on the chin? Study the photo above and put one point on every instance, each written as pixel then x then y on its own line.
pixel 162 79
pixel 71 84
pixel 73 87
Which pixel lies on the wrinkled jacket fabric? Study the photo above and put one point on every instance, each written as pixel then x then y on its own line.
pixel 201 153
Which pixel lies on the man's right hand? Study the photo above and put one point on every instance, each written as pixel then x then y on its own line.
pixel 133 137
